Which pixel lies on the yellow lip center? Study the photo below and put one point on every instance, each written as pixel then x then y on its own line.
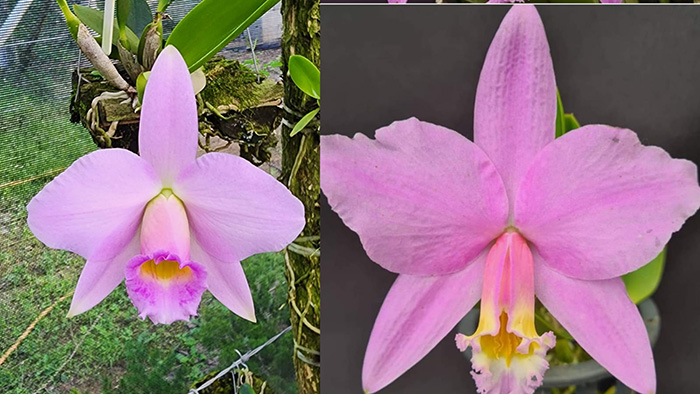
pixel 165 270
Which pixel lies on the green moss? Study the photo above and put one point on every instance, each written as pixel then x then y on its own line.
pixel 229 82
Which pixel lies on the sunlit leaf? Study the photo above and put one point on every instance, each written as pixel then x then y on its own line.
pixel 305 75
pixel 211 25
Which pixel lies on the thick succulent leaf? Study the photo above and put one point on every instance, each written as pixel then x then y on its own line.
pixel 211 25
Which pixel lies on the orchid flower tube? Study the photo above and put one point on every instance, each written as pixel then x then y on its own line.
pixel 170 224
pixel 513 216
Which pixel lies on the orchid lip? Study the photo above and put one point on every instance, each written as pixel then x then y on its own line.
pixel 165 288
pixel 508 354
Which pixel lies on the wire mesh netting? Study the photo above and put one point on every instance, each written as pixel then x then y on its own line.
pixel 107 349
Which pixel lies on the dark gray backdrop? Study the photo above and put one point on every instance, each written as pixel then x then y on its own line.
pixel 631 66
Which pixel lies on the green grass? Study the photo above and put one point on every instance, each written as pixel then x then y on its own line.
pixel 112 349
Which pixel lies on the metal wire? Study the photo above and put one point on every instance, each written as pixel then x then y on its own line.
pixel 241 361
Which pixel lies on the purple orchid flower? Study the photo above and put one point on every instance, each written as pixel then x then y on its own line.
pixel 513 215
pixel 171 224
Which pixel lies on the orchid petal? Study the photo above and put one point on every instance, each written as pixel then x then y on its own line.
pixel 104 271
pixel 423 199
pixel 97 194
pixel 516 99
pixel 227 282
pixel 416 315
pixel 168 129
pixel 236 209
pixel 597 204
pixel 603 320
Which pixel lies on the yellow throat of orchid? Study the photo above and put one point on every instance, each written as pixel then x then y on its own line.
pixel 507 353
pixel 165 271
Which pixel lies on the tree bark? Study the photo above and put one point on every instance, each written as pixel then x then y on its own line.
pixel 300 172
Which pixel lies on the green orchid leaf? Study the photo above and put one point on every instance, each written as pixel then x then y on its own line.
pixel 141 84
pixel 303 122
pixel 561 125
pixel 570 122
pixel 211 25
pixel 305 75
pixel 163 5
pixel 140 16
pixel 565 122
pixel 123 9
pixel 642 283
pixel 92 18
pixel 72 21
pixel 246 389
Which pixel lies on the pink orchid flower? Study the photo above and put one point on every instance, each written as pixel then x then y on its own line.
pixel 172 224
pixel 521 1
pixel 513 215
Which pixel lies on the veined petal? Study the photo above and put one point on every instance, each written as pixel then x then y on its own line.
pixel 516 99
pixel 104 271
pixel 236 209
pixel 98 194
pixel 597 204
pixel 508 356
pixel 603 320
pixel 423 199
pixel 416 315
pixel 227 282
pixel 164 287
pixel 165 227
pixel 169 127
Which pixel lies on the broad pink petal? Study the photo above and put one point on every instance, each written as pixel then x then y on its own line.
pixel 227 282
pixel 104 271
pixel 236 209
pixel 169 127
pixel 416 315
pixel 164 287
pixel 516 100
pixel 597 204
pixel 603 320
pixel 96 195
pixel 423 199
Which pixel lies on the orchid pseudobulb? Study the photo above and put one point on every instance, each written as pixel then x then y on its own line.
pixel 514 215
pixel 169 223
